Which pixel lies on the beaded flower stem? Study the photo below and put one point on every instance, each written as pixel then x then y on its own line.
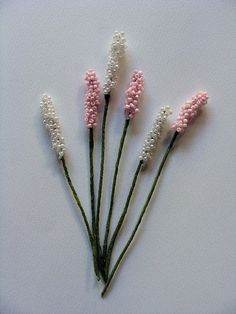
pixel 117 51
pixel 92 103
pixel 169 148
pixel 122 140
pixel 52 124
pixel 122 217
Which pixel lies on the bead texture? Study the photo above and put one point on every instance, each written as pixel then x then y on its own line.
pixel 116 53
pixel 133 94
pixel 92 101
pixel 190 110
pixel 153 136
pixel 51 122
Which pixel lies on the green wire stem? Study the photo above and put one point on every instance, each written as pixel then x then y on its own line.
pixel 102 163
pixel 121 145
pixel 77 199
pixel 92 198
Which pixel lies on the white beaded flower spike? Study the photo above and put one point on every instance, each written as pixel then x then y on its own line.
pixel 149 145
pixel 153 136
pixel 117 52
pixel 51 123
pixel 188 113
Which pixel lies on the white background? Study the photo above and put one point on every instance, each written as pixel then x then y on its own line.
pixel 183 260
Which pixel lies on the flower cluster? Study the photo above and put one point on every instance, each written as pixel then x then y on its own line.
pixel 189 111
pixel 102 252
pixel 154 135
pixel 133 94
pixel 117 52
pixel 92 101
pixel 51 123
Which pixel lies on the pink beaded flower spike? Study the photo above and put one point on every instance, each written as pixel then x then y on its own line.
pixel 92 103
pixel 188 113
pixel 133 95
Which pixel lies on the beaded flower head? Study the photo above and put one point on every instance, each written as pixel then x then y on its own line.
pixel 190 110
pixel 133 94
pixel 154 134
pixel 51 122
pixel 92 101
pixel 116 53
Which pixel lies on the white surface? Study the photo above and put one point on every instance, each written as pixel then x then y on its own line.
pixel 184 259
